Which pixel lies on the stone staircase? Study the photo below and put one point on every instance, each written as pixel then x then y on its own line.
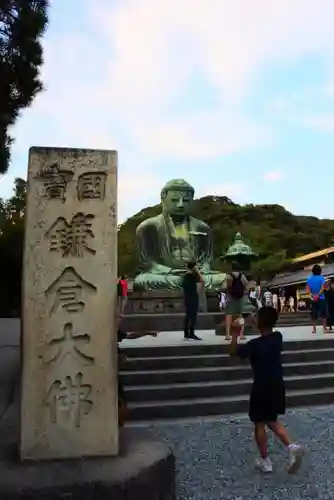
pixel 206 321
pixel 192 380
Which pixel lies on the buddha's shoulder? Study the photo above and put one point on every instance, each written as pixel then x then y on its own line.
pixel 199 223
pixel 151 222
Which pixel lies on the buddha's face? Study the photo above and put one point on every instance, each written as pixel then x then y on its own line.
pixel 177 202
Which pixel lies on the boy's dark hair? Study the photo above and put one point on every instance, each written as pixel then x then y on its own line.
pixel 316 270
pixel 267 317
pixel 191 265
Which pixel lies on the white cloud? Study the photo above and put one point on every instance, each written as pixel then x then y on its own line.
pixel 236 191
pixel 321 123
pixel 116 77
pixel 137 56
pixel 159 44
pixel 136 190
pixel 274 176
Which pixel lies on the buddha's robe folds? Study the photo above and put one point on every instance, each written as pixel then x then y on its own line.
pixel 164 250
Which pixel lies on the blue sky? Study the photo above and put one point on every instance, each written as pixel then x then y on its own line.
pixel 236 97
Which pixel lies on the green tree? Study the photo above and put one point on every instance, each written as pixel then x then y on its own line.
pixel 273 232
pixel 11 249
pixel 22 24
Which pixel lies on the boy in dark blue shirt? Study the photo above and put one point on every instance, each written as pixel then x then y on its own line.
pixel 267 399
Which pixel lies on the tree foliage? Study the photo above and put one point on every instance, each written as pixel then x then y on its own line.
pixel 11 249
pixel 274 233
pixel 22 23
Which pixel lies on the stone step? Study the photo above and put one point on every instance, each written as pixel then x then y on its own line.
pixel 209 360
pixel 146 394
pixel 221 373
pixel 194 348
pixel 206 321
pixel 220 405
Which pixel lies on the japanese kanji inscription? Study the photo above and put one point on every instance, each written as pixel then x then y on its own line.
pixel 72 238
pixel 69 399
pixel 91 186
pixel 55 180
pixel 67 291
pixel 70 343
pixel 69 376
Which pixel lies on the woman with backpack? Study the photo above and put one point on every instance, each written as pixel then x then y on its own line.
pixel 236 289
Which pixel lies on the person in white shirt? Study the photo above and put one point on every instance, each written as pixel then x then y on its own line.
pixel 268 298
pixel 282 303
pixel 222 301
pixel 291 304
pixel 252 297
pixel 258 295
pixel 275 301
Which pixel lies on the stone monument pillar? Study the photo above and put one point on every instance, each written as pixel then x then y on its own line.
pixel 69 393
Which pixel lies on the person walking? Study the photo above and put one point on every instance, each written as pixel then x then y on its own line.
pixel 275 301
pixel 267 298
pixel 258 295
pixel 190 282
pixel 282 303
pixel 252 297
pixel 267 397
pixel 315 287
pixel 291 304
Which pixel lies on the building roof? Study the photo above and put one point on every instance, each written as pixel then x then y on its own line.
pixel 299 277
pixel 313 255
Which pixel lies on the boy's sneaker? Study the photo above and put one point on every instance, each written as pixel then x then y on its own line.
pixel 296 453
pixel 263 464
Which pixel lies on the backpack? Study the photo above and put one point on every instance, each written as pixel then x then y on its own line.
pixel 237 289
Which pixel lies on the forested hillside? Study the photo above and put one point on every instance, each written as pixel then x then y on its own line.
pixel 273 232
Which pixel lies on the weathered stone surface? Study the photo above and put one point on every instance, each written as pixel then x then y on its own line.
pixel 69 395
pixel 163 302
pixel 168 322
pixel 144 469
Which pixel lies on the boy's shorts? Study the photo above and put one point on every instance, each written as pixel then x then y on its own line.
pixel 267 401
pixel 318 309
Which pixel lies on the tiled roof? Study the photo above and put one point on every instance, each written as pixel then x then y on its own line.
pixel 312 255
pixel 299 276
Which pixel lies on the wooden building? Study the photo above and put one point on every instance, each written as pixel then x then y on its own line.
pixel 294 279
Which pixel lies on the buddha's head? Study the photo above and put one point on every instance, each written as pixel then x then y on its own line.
pixel 177 197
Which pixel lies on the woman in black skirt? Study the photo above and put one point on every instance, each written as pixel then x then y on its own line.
pixel 267 398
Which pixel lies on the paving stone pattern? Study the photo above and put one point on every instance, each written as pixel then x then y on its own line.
pixel 215 458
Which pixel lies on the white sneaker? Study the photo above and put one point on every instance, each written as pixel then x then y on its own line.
pixel 296 453
pixel 263 464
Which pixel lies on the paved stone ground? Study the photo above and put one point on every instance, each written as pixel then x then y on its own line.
pixel 215 458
